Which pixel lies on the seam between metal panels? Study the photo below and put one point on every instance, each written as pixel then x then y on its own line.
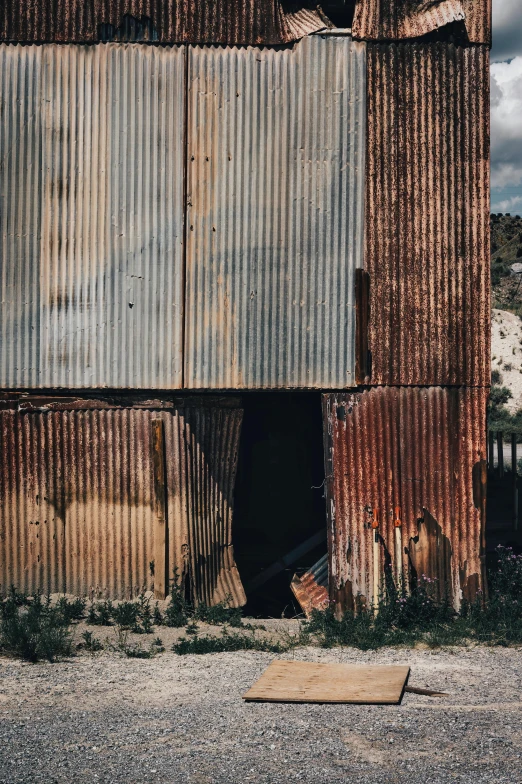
pixel 185 213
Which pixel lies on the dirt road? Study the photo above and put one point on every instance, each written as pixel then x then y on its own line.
pixel 108 719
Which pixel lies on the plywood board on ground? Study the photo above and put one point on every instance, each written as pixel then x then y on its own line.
pixel 294 681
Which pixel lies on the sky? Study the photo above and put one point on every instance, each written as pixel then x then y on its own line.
pixel 506 107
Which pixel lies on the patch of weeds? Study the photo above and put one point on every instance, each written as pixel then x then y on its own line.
pixel 126 614
pixel 135 651
pixel 90 642
pixel 227 642
pixel 100 613
pixel 191 628
pixel 157 617
pixel 422 617
pixel 32 629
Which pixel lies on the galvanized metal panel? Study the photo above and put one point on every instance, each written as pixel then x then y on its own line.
pixel 181 21
pixel 275 214
pixel 381 20
pixel 77 512
pixel 427 206
pixel 418 449
pixel 91 212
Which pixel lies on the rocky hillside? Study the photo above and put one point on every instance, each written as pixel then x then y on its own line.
pixel 506 250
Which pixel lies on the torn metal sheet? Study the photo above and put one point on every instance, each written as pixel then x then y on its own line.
pixel 427 214
pixel 275 231
pixel 91 215
pixel 163 21
pixel 382 20
pixel 311 588
pixel 77 509
pixel 413 456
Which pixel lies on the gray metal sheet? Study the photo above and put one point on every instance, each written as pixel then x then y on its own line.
pixel 91 194
pixel 275 163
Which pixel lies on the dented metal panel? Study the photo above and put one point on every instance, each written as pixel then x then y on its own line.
pixel 91 212
pixel 413 454
pixel 275 214
pixel 164 21
pixel 381 20
pixel 77 500
pixel 427 214
pixel 311 588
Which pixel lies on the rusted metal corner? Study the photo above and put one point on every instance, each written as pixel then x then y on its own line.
pixel 395 20
pixel 311 588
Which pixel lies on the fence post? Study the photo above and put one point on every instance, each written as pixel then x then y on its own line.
pixel 500 454
pixel 514 479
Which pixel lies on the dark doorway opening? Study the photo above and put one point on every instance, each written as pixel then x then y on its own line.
pixel 279 495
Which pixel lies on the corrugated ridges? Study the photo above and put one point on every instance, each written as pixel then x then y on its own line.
pixel 381 20
pixel 275 214
pixel 166 21
pixel 420 449
pixel 427 207
pixel 91 216
pixel 77 500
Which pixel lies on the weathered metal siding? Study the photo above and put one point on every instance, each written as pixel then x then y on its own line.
pixel 275 214
pixel 427 214
pixel 91 213
pixel 381 20
pixel 76 495
pixel 420 450
pixel 166 21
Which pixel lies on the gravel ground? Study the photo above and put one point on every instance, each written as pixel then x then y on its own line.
pixel 106 718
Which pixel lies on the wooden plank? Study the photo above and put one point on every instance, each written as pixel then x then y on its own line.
pixel 160 509
pixel 292 681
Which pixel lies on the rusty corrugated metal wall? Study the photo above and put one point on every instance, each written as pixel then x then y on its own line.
pixel 427 214
pixel 275 214
pixel 422 450
pixel 76 510
pixel 175 21
pixel 91 216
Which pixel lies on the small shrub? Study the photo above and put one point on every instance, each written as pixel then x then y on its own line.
pixel 91 643
pixel 508 366
pixel 126 614
pixel 157 617
pixel 178 609
pixel 72 610
pixel 32 629
pixel 496 376
pixel 100 613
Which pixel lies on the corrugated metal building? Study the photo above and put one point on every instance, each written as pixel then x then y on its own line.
pixel 246 199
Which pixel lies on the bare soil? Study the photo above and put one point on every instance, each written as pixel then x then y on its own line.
pixel 107 718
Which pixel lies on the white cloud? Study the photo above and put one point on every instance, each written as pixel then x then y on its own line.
pixel 507 29
pixel 506 123
pixel 507 205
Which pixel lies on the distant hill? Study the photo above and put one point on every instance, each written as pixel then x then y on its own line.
pixel 506 249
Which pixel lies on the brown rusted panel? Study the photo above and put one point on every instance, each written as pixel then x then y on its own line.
pixel 420 449
pixel 427 214
pixel 77 500
pixel 164 21
pixel 393 20
pixel 311 589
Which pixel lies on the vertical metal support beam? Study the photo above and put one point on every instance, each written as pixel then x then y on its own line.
pixel 500 454
pixel 491 450
pixel 514 476
pixel 398 550
pixel 160 510
pixel 376 560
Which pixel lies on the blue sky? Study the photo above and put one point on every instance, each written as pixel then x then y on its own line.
pixel 506 107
